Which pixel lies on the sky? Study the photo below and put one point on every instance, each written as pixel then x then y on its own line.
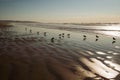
pixel 61 10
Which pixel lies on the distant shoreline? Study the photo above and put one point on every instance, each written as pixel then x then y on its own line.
pixel 84 24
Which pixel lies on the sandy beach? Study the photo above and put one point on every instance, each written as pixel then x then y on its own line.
pixel 37 53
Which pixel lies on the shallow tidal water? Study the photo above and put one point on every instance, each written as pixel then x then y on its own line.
pixel 29 53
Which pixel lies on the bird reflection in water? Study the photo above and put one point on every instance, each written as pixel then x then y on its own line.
pixel 45 33
pixel 84 39
pixel 96 39
pixel 30 31
pixel 113 42
pixel 25 29
pixel 68 35
pixel 52 39
pixel 59 37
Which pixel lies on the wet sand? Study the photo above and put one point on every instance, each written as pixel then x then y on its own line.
pixel 31 53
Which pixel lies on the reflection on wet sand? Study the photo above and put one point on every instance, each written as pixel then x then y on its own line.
pixel 44 54
pixel 52 39
pixel 96 39
pixel 45 33
pixel 84 39
pixel 113 42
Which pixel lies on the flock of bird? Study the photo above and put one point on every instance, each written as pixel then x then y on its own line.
pixel 68 35
pixel 60 35
pixel 114 39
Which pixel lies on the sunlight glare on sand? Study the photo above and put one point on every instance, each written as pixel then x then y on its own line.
pixel 85 72
pixel 109 57
pixel 115 53
pixel 98 67
pixel 101 53
pixel 117 47
pixel 112 33
pixel 112 30
pixel 89 52
pixel 116 66
pixel 100 58
pixel 110 52
pixel 112 27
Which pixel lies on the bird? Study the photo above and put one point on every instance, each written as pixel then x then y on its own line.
pixel 97 36
pixel 59 34
pixel 68 35
pixel 37 33
pixel 114 38
pixel 84 36
pixel 63 33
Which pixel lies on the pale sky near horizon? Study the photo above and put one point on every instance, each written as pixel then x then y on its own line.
pixel 61 10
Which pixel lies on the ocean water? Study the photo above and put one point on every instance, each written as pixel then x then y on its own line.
pixel 106 29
